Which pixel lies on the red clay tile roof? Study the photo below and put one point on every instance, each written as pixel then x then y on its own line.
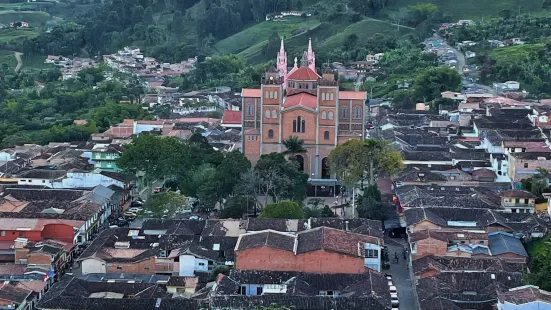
pixel 304 99
pixel 351 95
pixel 249 92
pixel 304 74
pixel 231 117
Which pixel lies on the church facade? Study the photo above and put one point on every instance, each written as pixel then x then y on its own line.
pixel 300 102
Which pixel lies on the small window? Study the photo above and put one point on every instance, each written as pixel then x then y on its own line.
pixel 3 233
pixel 21 234
pixel 201 264
pixel 371 253
pixel 326 135
pixel 270 134
pixel 146 267
pixel 525 165
pixel 43 181
pixel 243 290
pixel 274 114
pixel 275 95
pixel 323 115
pixel 413 247
pixel 331 96
pixel 259 290
pixel 330 115
pixel 322 96
pixel 119 267
pixel 268 113
pixel 481 241
pixel 267 94
pixel 249 109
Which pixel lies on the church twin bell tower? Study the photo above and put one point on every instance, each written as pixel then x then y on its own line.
pixel 309 57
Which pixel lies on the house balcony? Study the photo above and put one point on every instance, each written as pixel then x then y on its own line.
pixel 517 205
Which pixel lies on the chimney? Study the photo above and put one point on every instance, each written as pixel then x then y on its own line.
pixel 310 223
pixel 346 226
pixel 21 243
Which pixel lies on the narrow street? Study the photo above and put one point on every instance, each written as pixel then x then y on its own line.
pixel 462 62
pixel 401 274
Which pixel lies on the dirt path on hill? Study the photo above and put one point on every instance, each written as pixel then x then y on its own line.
pixel 19 61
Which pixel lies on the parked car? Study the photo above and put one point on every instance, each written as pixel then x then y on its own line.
pixel 128 213
pixel 135 209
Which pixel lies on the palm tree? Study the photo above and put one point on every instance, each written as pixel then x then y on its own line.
pixel 294 146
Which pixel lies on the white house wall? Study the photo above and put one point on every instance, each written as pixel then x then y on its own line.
pixel 92 266
pixel 187 265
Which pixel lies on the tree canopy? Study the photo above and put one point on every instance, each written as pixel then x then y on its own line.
pixel 283 209
pixel 165 204
pixel 351 160
pixel 280 179
pixel 433 81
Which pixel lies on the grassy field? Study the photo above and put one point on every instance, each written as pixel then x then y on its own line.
pixel 513 53
pixel 364 29
pixel 34 18
pixel 260 33
pixel 474 9
pixel 10 34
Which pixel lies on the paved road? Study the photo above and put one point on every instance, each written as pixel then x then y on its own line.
pixel 401 276
pixel 460 63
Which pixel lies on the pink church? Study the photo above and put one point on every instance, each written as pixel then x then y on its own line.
pixel 300 102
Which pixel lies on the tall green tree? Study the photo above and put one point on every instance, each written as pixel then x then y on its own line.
pixel 284 210
pixel 148 16
pixel 430 83
pixel 280 179
pixel 351 160
pixel 165 204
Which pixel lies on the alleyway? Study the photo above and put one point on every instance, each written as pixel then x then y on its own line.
pixel 401 275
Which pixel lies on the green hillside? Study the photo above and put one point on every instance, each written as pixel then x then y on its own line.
pixel 473 9
pixel 325 36
pixel 256 36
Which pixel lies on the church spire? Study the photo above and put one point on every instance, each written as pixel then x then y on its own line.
pixel 311 56
pixel 282 64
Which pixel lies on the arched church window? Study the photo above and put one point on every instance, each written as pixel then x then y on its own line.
pixel 267 113
pixel 250 109
pixel 274 114
pixel 323 115
pixel 330 115
pixel 344 112
pixel 326 135
pixel 358 113
pixel 270 134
